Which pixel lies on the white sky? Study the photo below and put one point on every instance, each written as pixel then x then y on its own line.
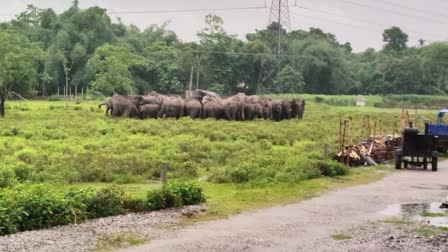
pixel 360 22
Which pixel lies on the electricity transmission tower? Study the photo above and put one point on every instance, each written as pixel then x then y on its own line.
pixel 274 53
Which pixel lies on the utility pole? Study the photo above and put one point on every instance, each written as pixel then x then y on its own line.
pixel 67 68
pixel 275 54
pixel 190 86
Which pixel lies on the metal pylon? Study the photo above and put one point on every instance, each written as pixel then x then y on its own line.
pixel 275 54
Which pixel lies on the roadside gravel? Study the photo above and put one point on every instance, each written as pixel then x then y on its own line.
pixel 85 236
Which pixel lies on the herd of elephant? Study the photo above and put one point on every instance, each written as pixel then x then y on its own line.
pixel 204 104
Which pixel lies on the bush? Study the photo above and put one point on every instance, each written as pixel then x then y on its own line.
pixel 319 99
pixel 135 205
pixel 23 171
pixel 175 195
pixel 55 98
pixel 7 177
pixel 189 193
pixel 32 208
pixel 108 201
pixel 26 207
pixel 78 202
pixel 332 168
pixel 162 199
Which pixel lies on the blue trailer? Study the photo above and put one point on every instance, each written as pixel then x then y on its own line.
pixel 440 130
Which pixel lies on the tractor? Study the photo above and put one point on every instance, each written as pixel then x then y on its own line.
pixel 418 149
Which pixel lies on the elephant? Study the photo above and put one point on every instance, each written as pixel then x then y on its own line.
pixel 240 98
pixel 298 108
pixel 286 109
pixel 231 109
pixel 277 107
pixel 199 94
pixel 212 109
pixel 267 109
pixel 149 99
pixel 171 106
pixel 122 105
pixel 149 111
pixel 108 105
pixel 193 108
pixel 253 111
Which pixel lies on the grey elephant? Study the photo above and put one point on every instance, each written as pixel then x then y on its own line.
pixel 212 109
pixel 171 106
pixel 149 111
pixel 267 109
pixel 277 114
pixel 253 111
pixel 108 105
pixel 149 99
pixel 231 109
pixel 122 105
pixel 286 110
pixel 298 108
pixel 240 98
pixel 192 108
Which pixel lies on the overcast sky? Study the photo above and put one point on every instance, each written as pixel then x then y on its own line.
pixel 360 22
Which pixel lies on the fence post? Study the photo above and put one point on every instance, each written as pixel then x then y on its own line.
pixel 164 175
pixel 326 152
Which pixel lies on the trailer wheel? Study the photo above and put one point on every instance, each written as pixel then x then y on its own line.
pixel 425 163
pixel 398 162
pixel 434 164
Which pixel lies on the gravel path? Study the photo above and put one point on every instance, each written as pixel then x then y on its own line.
pixel 86 236
pixel 309 225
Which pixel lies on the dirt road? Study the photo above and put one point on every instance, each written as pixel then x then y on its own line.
pixel 308 225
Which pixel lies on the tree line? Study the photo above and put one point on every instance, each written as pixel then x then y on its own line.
pixel 107 57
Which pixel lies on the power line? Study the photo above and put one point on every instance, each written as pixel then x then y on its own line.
pixel 356 26
pixel 413 9
pixel 186 10
pixel 365 21
pixel 390 11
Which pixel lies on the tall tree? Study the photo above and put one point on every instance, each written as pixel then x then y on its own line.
pixel 19 61
pixel 396 40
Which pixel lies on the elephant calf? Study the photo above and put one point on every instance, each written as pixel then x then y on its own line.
pixel 149 111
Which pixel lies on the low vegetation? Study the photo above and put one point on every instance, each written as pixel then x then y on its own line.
pixel 339 237
pixel 432 214
pixel 29 207
pixel 47 149
pixel 122 240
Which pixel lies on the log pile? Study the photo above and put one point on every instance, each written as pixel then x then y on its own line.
pixel 372 151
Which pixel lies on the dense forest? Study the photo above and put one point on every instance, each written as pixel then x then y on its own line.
pixel 105 57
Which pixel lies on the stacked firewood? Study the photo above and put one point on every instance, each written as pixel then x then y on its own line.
pixel 372 151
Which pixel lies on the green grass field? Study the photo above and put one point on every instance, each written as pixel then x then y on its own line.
pixel 240 165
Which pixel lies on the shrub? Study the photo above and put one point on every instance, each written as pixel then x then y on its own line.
pixel 175 195
pixel 189 193
pixel 108 201
pixel 135 205
pixel 23 171
pixel 162 199
pixel 331 168
pixel 55 98
pixel 7 177
pixel 319 99
pixel 77 208
pixel 242 173
pixel 34 207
